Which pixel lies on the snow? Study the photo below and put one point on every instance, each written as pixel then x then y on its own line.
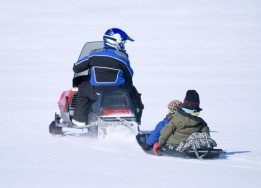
pixel 211 46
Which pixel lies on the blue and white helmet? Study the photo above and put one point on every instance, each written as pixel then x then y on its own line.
pixel 116 38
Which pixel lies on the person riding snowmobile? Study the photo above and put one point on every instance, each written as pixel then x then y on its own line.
pixel 185 121
pixel 109 69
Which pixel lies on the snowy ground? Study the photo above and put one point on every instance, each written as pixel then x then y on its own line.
pixel 211 46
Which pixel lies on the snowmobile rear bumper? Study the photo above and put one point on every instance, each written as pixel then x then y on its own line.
pixel 101 123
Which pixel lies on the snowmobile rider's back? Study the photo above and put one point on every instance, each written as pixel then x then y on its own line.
pixel 109 68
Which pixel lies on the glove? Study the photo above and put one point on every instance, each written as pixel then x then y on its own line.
pixel 155 148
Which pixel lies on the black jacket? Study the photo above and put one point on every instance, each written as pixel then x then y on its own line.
pixel 108 67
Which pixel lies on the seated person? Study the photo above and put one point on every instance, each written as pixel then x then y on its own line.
pixel 185 121
pixel 109 69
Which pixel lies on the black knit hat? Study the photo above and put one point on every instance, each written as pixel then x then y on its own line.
pixel 191 101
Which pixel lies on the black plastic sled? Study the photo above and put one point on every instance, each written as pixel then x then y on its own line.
pixel 167 151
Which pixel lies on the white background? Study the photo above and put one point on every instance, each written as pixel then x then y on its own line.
pixel 213 47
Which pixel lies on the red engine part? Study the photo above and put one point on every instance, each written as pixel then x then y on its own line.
pixel 66 99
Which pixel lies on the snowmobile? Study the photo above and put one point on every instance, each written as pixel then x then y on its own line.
pixel 113 108
pixel 201 153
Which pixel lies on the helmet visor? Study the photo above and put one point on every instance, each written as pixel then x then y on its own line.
pixel 123 35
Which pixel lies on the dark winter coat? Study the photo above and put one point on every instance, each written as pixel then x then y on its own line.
pixel 180 127
pixel 108 67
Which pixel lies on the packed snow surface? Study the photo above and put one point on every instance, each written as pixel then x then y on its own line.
pixel 211 46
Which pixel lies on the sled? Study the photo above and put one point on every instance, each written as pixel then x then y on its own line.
pixel 167 151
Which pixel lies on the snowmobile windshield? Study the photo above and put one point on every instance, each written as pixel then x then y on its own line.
pixel 90 46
